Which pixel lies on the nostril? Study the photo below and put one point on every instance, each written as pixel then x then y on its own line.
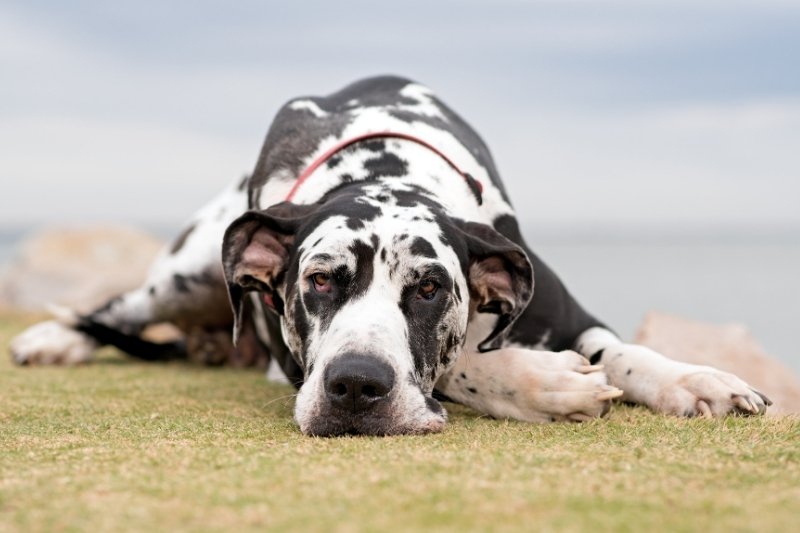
pixel 339 389
pixel 370 391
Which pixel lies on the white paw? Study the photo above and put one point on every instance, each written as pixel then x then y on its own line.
pixel 577 394
pixel 51 343
pixel 710 393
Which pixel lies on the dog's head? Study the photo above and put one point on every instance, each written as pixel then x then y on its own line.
pixel 375 288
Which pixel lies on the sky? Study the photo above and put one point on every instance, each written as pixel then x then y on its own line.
pixel 637 115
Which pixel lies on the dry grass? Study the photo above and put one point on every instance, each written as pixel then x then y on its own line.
pixel 121 445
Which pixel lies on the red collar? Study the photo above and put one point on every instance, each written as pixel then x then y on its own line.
pixel 474 185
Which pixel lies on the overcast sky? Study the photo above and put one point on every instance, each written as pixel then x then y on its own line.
pixel 631 113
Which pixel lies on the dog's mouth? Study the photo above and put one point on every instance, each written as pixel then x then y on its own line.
pixel 386 421
pixel 372 426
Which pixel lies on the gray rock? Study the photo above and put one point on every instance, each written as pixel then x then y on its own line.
pixel 77 267
pixel 728 347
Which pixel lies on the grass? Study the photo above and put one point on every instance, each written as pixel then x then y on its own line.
pixel 120 445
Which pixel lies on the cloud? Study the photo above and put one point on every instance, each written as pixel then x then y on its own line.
pixel 630 115
pixel 682 165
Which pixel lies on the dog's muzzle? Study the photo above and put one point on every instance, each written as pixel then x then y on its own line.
pixel 364 394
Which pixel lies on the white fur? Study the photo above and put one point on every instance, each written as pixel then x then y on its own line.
pixel 534 386
pixel 669 386
pixel 51 343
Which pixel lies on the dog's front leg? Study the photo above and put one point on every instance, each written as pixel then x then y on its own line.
pixel 665 385
pixel 528 385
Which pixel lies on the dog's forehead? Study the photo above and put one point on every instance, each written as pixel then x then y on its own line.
pixel 396 232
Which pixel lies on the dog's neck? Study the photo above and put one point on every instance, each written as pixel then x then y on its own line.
pixel 392 165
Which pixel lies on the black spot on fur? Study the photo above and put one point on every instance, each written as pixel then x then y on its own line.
pixel 387 164
pixel 365 256
pixel 463 375
pixel 180 282
pixel 595 358
pixel 301 324
pixel 472 390
pixel 346 178
pixel 334 161
pixel 628 373
pixel 151 291
pixel 383 255
pixel 181 240
pixel 374 145
pixel 433 405
pixel 375 242
pixel 423 248
pixel 355 223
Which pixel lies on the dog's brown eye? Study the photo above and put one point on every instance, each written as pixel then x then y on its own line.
pixel 322 282
pixel 427 289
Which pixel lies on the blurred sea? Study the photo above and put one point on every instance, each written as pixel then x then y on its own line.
pixel 750 280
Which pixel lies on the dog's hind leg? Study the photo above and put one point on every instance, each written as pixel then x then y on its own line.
pixel 529 385
pixel 185 286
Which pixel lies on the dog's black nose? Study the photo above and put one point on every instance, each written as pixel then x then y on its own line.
pixel 356 383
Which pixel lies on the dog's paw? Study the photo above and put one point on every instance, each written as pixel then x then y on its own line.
pixel 51 343
pixel 210 348
pixel 575 394
pixel 708 392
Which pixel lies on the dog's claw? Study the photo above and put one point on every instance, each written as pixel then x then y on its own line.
pixel 609 394
pixel 763 396
pixel 744 404
pixel 588 369
pixel 704 408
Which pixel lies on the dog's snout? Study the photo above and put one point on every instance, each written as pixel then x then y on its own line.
pixel 357 383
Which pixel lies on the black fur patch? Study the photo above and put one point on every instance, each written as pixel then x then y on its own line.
pixel 181 240
pixel 345 285
pixel 386 164
pixel 180 282
pixel 428 345
pixel 423 248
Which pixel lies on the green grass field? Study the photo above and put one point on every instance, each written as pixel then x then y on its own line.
pixel 120 445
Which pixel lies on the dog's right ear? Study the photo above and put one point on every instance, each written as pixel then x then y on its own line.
pixel 255 254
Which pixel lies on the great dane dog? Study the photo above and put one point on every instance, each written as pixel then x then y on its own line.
pixel 374 256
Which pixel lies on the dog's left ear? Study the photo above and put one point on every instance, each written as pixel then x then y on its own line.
pixel 500 278
pixel 255 254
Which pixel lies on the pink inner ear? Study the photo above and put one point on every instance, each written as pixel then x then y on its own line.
pixel 498 281
pixel 263 257
pixel 492 272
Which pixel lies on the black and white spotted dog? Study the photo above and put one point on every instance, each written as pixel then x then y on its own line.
pixel 374 256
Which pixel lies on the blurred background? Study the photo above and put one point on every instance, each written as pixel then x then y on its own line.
pixel 652 149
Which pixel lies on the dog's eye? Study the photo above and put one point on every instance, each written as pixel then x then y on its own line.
pixel 321 282
pixel 427 289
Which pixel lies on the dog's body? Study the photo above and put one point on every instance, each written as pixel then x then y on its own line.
pixel 396 271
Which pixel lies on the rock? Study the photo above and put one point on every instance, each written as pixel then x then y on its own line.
pixel 76 267
pixel 728 347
